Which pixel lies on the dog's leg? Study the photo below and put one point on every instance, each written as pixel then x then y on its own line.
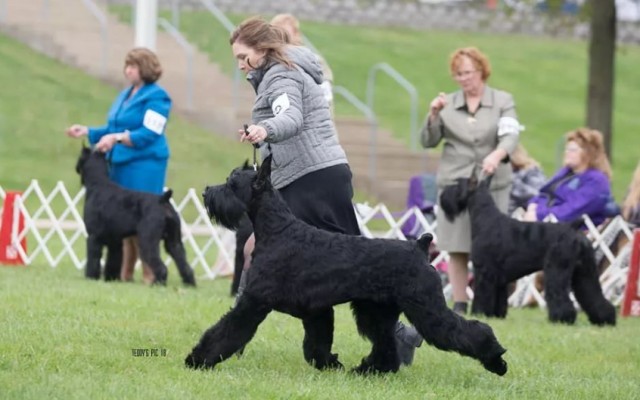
pixel 377 322
pixel 484 292
pixel 231 333
pixel 588 292
pixel 243 233
pixel 427 310
pixel 114 261
pixel 502 300
pixel 173 245
pixel 558 270
pixel 318 339
pixel 94 254
pixel 149 242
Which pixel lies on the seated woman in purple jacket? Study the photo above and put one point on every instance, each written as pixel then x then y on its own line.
pixel 581 186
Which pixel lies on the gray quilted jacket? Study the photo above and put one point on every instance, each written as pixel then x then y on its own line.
pixel 292 108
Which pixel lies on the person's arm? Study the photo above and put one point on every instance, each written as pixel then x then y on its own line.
pixel 154 122
pixel 284 95
pixel 433 128
pixel 590 196
pixel 95 133
pixel 508 126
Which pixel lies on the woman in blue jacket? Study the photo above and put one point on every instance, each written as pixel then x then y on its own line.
pixel 134 136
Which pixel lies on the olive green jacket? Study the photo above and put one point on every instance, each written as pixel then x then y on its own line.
pixel 468 139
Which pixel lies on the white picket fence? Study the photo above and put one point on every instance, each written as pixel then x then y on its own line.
pixel 55 231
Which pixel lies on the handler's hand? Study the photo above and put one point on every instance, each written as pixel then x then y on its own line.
pixel 255 134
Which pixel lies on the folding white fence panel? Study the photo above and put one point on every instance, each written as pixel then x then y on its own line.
pixel 55 230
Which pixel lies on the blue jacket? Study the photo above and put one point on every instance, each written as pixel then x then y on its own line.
pixel 568 197
pixel 145 117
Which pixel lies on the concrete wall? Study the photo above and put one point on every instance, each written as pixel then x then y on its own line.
pixel 463 16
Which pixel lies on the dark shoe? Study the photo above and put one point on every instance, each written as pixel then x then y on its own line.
pixel 460 307
pixel 407 340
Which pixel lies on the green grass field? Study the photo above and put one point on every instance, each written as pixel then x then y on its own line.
pixel 63 337
pixel 548 78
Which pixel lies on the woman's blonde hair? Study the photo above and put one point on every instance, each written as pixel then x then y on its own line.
pixel 479 60
pixel 147 63
pixel 260 35
pixel 633 197
pixel 285 21
pixel 520 159
pixel 591 141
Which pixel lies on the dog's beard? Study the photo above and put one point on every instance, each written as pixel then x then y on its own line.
pixel 453 201
pixel 223 206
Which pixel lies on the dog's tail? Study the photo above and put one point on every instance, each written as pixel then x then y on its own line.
pixel 166 196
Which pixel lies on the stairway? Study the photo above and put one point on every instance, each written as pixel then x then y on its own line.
pixel 67 31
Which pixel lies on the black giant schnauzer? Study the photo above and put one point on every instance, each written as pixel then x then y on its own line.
pixel 304 271
pixel 112 213
pixel 504 249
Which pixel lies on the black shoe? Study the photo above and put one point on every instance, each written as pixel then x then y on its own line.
pixel 407 340
pixel 460 307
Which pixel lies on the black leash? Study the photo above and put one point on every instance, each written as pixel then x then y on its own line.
pixel 255 149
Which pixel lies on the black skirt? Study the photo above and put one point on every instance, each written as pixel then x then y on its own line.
pixel 323 199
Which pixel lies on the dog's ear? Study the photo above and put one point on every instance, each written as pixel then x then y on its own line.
pixel 264 174
pixel 246 164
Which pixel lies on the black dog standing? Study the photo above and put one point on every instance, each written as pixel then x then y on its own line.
pixel 112 213
pixel 504 249
pixel 304 271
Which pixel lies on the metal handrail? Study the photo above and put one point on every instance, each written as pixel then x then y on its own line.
pixel 373 122
pixel 222 18
pixel 46 10
pixel 175 13
pixel 188 49
pixel 402 81
pixel 102 18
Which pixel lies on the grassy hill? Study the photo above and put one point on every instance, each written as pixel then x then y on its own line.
pixel 41 98
pixel 548 78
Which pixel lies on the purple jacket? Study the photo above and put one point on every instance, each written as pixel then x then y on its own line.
pixel 586 193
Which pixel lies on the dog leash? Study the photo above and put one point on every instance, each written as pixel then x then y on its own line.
pixel 255 149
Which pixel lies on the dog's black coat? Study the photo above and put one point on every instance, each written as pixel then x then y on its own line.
pixel 112 213
pixel 304 271
pixel 243 232
pixel 504 249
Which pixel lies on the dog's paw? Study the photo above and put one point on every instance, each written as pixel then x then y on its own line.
pixel 332 363
pixel 496 365
pixel 194 362
pixel 366 368
pixel 564 316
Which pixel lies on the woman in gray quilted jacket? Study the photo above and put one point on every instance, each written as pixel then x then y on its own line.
pixel 291 119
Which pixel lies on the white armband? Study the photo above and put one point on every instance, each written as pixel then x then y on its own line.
pixel 154 121
pixel 509 126
pixel 327 91
pixel 280 104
